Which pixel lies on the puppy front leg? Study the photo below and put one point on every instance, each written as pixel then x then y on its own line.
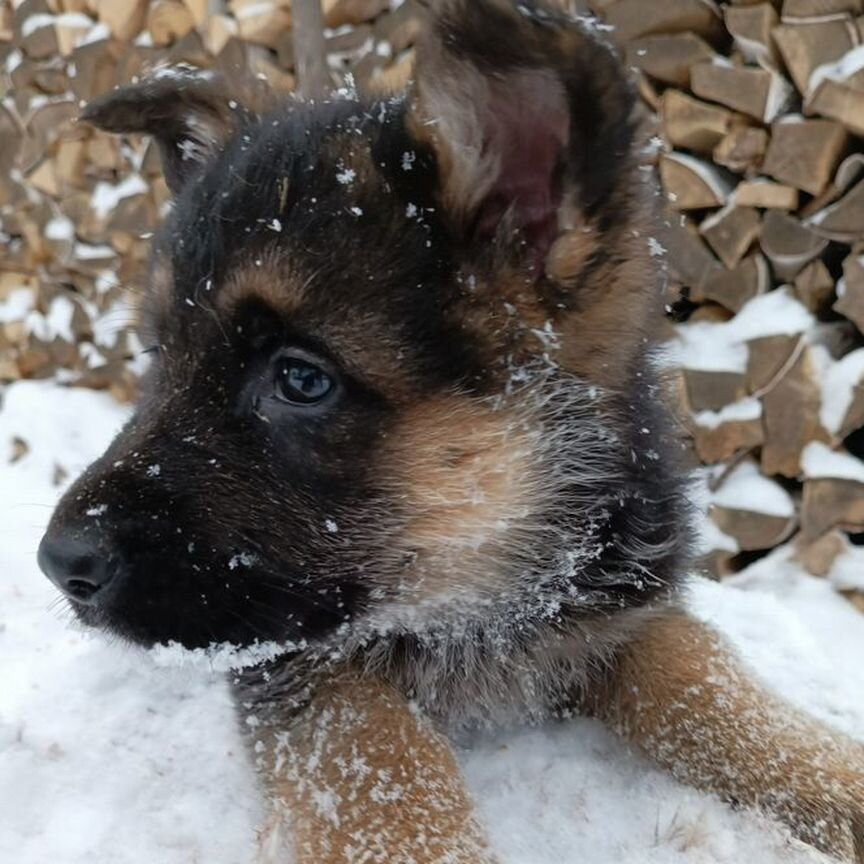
pixel 679 692
pixel 364 779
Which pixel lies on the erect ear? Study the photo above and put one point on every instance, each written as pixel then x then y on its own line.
pixel 189 112
pixel 529 117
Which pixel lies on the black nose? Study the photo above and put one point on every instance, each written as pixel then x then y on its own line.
pixel 75 566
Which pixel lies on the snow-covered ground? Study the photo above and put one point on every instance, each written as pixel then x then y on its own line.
pixel 106 757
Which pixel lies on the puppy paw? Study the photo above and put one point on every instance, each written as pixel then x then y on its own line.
pixel 829 815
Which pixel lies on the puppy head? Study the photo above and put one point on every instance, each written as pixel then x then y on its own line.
pixel 398 376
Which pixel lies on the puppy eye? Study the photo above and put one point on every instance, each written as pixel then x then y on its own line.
pixel 301 382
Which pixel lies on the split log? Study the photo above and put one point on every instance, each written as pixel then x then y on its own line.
pixel 634 18
pixel 168 20
pixel 690 123
pixel 338 13
pixel 743 149
pixel 817 557
pixel 788 244
pixel 829 503
pixel 844 219
pixel 814 287
pixel 759 93
pixel 733 288
pixel 263 23
pixel 816 8
pixel 806 45
pixel 689 259
pixel 850 291
pixel 791 411
pixel 757 512
pixel 751 28
pixel 720 435
pixel 765 195
pixel 713 390
pixel 691 184
pixel 837 91
pixel 125 18
pixel 804 153
pixel 668 57
pixel 731 231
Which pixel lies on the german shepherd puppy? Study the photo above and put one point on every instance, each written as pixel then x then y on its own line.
pixel 402 420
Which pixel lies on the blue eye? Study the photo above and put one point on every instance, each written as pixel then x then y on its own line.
pixel 300 382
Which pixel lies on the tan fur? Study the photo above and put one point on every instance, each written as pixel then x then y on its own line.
pixel 466 472
pixel 686 700
pixel 267 278
pixel 366 780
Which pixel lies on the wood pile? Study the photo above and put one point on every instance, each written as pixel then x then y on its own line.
pixel 755 118
pixel 753 114
pixel 76 205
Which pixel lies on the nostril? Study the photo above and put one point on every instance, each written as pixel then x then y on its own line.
pixel 75 566
pixel 81 589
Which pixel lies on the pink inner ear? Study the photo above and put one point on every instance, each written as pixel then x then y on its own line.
pixel 526 130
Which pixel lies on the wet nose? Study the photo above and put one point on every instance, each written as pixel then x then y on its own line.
pixel 75 565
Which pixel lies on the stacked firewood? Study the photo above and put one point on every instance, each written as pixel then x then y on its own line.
pixel 753 121
pixel 758 112
pixel 76 205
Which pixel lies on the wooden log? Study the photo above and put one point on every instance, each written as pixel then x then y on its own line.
pixel 817 8
pixel 263 23
pixel 689 259
pixel 836 90
pixel 750 27
pixel 850 291
pixel 338 13
pixel 828 503
pixel 168 21
pixel 731 231
pixel 47 36
pixel 218 30
pixel 635 18
pixel 125 18
pixel 814 286
pixel 788 244
pixel 818 556
pixel 765 195
pixel 806 45
pixel 720 435
pixel 756 511
pixel 199 10
pixel 758 93
pixel 733 288
pixel 96 68
pixel 712 390
pixel 791 411
pixel 690 123
pixel 844 219
pixel 668 57
pixel 743 149
pixel 804 153
pixel 691 184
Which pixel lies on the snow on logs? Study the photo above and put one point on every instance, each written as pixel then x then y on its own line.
pixel 758 119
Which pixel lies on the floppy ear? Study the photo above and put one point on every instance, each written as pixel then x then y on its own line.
pixel 189 112
pixel 528 116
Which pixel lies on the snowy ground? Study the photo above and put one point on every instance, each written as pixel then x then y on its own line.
pixel 107 757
